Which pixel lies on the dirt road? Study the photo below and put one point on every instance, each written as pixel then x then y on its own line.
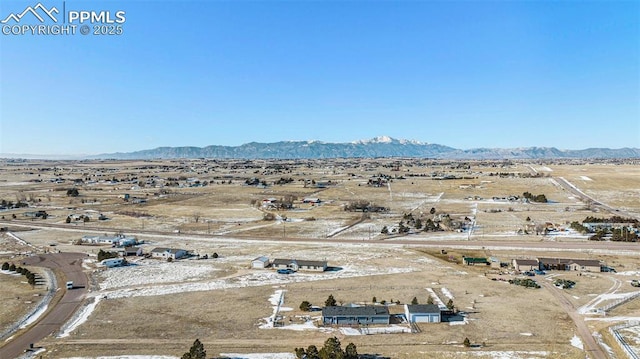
pixel 591 347
pixel 68 267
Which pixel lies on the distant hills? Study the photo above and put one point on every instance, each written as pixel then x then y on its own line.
pixel 382 146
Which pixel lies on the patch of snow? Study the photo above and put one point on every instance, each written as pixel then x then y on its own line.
pixel 577 342
pixel 447 293
pixel 259 356
pixel 79 318
pixel 585 178
pixel 128 357
pixel 38 313
pixel 350 331
pixel 527 334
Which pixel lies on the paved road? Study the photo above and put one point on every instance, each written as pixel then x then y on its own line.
pixel 69 266
pixel 588 199
pixel 528 242
pixel 591 347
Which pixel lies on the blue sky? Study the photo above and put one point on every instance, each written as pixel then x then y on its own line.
pixel 463 74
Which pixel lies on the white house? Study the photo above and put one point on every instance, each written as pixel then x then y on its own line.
pixel 260 263
pixel 422 313
pixel 112 262
pixel 166 253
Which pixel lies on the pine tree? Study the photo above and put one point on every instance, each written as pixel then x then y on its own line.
pixel 414 301
pixel 450 305
pixel 351 352
pixel 330 302
pixel 196 352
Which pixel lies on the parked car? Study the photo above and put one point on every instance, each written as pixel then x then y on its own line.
pixel 529 273
pixel 285 271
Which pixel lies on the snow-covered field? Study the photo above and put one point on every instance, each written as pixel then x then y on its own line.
pixel 153 272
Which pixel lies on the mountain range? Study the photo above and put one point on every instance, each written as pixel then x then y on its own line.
pixel 382 146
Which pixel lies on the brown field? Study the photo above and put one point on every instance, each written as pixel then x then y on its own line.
pixel 226 217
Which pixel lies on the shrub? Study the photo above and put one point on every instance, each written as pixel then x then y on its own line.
pixel 305 306
pixel 5 266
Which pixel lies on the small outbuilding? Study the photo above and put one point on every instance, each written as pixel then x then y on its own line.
pixel 260 263
pixel 422 313
pixel 523 265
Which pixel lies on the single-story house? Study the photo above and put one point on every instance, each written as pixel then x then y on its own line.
pixel 422 313
pixel 523 265
pixel 370 314
pixel 260 262
pixel 296 265
pixel 587 265
pixel 473 261
pixel 166 253
pixel 132 251
pixel 120 241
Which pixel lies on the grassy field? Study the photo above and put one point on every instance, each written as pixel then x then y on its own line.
pixel 159 308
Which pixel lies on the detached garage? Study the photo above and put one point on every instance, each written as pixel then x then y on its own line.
pixel 260 263
pixel 422 313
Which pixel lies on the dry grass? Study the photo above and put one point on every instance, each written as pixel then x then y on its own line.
pixel 503 316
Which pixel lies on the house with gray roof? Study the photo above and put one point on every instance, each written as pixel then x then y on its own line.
pixel 422 313
pixel 342 315
pixel 298 264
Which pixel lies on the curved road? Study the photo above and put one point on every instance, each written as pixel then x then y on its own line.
pixel 70 266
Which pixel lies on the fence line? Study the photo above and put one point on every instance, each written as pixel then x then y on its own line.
pixel 620 339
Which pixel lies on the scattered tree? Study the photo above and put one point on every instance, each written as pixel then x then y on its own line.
pixel 330 302
pixel 331 349
pixel 429 300
pixel 466 342
pixel 73 192
pixel 196 352
pixel 5 266
pixel 374 300
pixel 12 267
pixel 305 306
pixel 414 301
pixel 450 305
pixel 351 352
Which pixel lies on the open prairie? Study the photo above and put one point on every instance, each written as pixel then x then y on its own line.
pixel 389 229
